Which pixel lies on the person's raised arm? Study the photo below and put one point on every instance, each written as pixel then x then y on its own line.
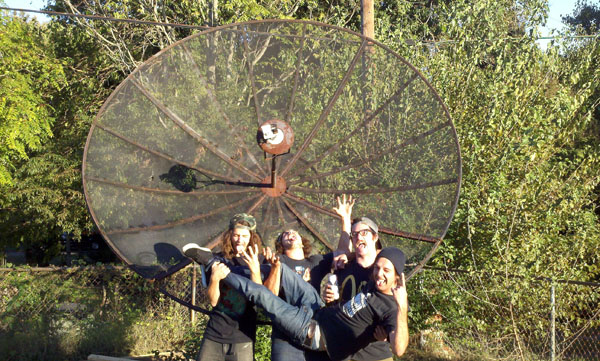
pixel 274 278
pixel 399 336
pixel 218 272
pixel 344 210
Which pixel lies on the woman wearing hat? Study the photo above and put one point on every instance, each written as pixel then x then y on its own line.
pixel 231 329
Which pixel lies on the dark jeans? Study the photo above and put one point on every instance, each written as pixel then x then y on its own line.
pixel 291 316
pixel 216 351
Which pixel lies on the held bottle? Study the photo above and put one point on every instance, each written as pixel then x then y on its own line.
pixel 334 286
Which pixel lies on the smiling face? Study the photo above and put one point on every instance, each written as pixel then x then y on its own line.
pixel 384 275
pixel 291 239
pixel 364 240
pixel 239 240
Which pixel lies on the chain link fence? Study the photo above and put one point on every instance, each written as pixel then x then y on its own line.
pixel 505 316
pixel 67 314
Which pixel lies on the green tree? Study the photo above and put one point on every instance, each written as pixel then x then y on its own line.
pixel 46 199
pixel 524 121
pixel 585 16
pixel 29 78
pixel 523 115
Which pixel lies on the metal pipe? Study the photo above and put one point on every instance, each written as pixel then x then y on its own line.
pixel 553 323
pixel 274 172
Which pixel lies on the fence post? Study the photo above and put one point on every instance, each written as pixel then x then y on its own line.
pixel 553 324
pixel 193 313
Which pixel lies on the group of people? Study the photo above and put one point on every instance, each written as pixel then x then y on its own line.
pixel 365 320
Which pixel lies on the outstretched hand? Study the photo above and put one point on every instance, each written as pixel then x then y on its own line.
pixel 344 208
pixel 250 256
pixel 271 256
pixel 400 295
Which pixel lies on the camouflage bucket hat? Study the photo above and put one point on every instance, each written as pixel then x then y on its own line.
pixel 235 222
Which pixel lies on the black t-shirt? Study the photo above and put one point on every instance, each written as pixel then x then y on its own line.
pixel 233 319
pixel 298 266
pixel 320 268
pixel 349 327
pixel 352 279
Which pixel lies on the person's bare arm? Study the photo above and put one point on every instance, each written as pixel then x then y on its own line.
pixel 399 337
pixel 218 272
pixel 344 210
pixel 274 278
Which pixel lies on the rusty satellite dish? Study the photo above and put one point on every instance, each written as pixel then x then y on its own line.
pixel 274 118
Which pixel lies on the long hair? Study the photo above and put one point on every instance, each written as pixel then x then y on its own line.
pixel 306 245
pixel 225 243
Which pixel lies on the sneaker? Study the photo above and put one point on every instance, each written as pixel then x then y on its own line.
pixel 199 254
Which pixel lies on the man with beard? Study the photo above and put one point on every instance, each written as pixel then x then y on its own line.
pixel 294 251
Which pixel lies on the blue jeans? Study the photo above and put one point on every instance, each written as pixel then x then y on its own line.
pixel 291 316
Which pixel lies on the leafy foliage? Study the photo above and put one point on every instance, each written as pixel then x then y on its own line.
pixel 527 121
pixel 69 314
pixel 29 77
pixel 529 153
pixel 585 16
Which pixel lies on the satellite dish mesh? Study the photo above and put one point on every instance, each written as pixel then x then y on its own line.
pixel 173 152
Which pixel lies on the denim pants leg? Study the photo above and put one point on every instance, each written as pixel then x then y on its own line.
pixel 297 291
pixel 265 269
pixel 293 319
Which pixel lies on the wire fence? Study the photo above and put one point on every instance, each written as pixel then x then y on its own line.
pixel 72 312
pixel 507 316
pixel 69 313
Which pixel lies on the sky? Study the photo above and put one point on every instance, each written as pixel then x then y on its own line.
pixel 28 4
pixel 554 21
pixel 557 8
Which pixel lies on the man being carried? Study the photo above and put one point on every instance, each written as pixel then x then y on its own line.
pixel 341 330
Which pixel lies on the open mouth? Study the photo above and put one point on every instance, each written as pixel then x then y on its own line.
pixel 361 245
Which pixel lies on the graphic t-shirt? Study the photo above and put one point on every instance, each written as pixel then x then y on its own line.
pixel 233 319
pixel 352 279
pixel 350 326
pixel 319 266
